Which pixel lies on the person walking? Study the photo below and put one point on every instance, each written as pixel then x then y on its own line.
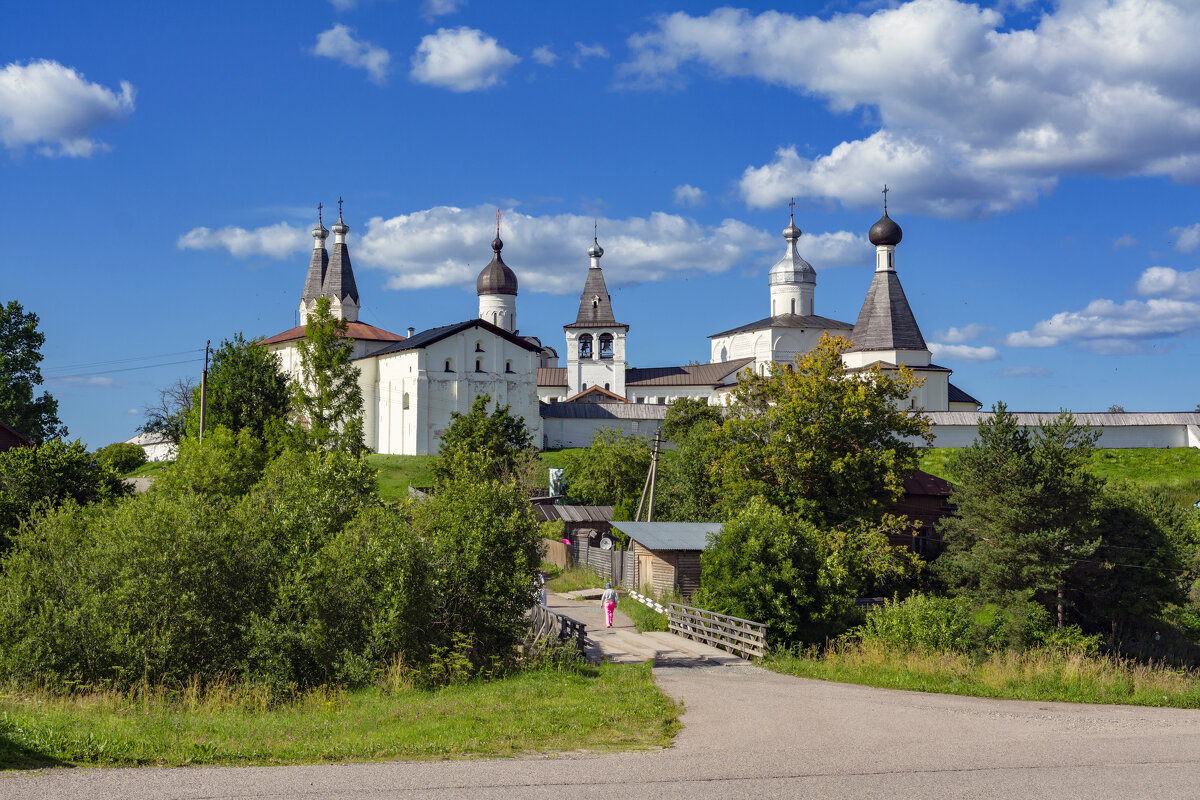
pixel 609 601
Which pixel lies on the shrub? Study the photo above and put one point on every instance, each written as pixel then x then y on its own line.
pixel 121 457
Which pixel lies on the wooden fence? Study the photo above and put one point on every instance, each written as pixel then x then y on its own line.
pixel 619 567
pixel 544 623
pixel 739 636
pixel 556 552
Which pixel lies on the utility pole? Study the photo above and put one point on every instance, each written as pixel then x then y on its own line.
pixel 651 479
pixel 204 389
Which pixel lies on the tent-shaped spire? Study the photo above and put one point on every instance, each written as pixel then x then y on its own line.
pixel 339 283
pixel 595 304
pixel 318 264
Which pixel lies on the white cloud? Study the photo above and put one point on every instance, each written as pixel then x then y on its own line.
pixel 100 381
pixel 431 9
pixel 447 246
pixel 54 108
pixel 343 5
pixel 544 55
pixel 1026 372
pixel 1187 239
pixel 132 411
pixel 964 334
pixel 274 241
pixel 1109 327
pixel 1124 240
pixel 339 44
pixel 460 59
pixel 688 195
pixel 972 116
pixel 1167 282
pixel 962 352
pixel 586 51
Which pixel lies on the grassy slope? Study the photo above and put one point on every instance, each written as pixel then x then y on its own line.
pixel 149 469
pixel 1176 471
pixel 397 473
pixel 612 707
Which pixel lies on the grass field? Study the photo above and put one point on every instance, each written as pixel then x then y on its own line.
pixel 1032 675
pixel 1176 471
pixel 610 707
pixel 397 473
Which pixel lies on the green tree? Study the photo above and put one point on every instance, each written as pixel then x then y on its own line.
pixel 20 356
pixel 817 441
pixel 684 414
pixel 496 443
pixel 326 398
pixel 121 457
pixel 48 475
pixel 246 389
pixel 1026 512
pixel 169 415
pixel 611 471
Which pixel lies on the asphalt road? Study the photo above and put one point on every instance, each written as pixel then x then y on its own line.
pixel 754 734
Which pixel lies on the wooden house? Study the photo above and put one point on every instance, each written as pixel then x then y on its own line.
pixel 926 501
pixel 10 438
pixel 668 553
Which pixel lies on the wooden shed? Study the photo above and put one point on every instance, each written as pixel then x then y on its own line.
pixel 926 501
pixel 9 438
pixel 668 553
pixel 587 525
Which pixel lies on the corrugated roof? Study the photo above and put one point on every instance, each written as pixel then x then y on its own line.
pixel 669 535
pixel 689 375
pixel 789 321
pixel 359 331
pixel 1099 419
pixel 428 337
pixel 549 513
pixel 957 395
pixel 886 321
pixel 552 376
pixel 639 411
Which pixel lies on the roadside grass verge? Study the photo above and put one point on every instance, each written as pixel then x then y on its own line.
pixel 1047 675
pixel 1175 470
pixel 571 579
pixel 645 619
pixel 604 708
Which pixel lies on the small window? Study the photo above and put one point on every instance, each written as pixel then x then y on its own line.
pixel 585 346
pixel 479 347
pixel 606 345
pixel 641 400
pixel 584 389
pixel 404 401
pixel 553 399
pixel 508 366
pixel 449 365
pixel 793 305
pixel 662 401
pixel 606 386
pixel 479 365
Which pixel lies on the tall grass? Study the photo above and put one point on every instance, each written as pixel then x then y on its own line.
pixel 1037 674
pixel 546 709
pixel 573 579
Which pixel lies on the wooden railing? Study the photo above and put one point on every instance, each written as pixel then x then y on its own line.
pixel 739 636
pixel 545 623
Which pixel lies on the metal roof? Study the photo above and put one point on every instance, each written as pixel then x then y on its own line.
pixel 425 338
pixel 688 375
pixel 595 304
pixel 957 395
pixel 639 411
pixel 669 535
pixel 497 277
pixel 552 376
pixel 358 331
pixel 788 321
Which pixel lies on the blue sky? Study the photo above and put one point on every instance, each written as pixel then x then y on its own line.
pixel 160 165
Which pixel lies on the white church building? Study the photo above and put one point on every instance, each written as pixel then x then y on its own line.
pixel 413 383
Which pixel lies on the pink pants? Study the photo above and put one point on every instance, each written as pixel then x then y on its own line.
pixel 609 608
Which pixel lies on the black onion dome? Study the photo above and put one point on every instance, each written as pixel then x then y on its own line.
pixel 885 231
pixel 496 277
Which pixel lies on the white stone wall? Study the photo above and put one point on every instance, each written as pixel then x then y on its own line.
pixel 500 310
pixel 570 432
pixel 1115 436
pixel 650 394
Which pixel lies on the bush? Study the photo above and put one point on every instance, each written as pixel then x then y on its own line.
pixel 121 457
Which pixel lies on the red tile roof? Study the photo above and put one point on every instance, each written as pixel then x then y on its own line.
pixel 359 331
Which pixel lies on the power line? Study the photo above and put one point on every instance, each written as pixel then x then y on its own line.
pixel 122 369
pixel 89 364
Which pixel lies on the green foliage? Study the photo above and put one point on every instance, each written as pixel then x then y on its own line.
pixel 1026 519
pixel 225 464
pixel 121 457
pixel 20 355
pixel 817 441
pixel 327 399
pixel 168 417
pixel 47 475
pixel 612 471
pixel 246 389
pixel 685 414
pixel 645 619
pixel 497 443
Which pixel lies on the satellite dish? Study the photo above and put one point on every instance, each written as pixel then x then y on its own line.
pixel 606 543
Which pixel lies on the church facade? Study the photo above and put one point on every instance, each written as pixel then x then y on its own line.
pixel 412 384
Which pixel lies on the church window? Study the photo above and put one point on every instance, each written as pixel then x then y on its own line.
pixel 662 401
pixel 478 347
pixel 793 305
pixel 584 389
pixel 606 386
pixel 641 399
pixel 449 365
pixel 606 345
pixel 508 366
pixel 479 365
pixel 891 264
pixel 585 346
pixel 404 401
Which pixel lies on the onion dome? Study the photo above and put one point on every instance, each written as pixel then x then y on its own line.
pixel 792 268
pixel 595 251
pixel 885 232
pixel 496 277
pixel 320 232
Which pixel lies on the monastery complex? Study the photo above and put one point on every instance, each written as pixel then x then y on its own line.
pixel 413 383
